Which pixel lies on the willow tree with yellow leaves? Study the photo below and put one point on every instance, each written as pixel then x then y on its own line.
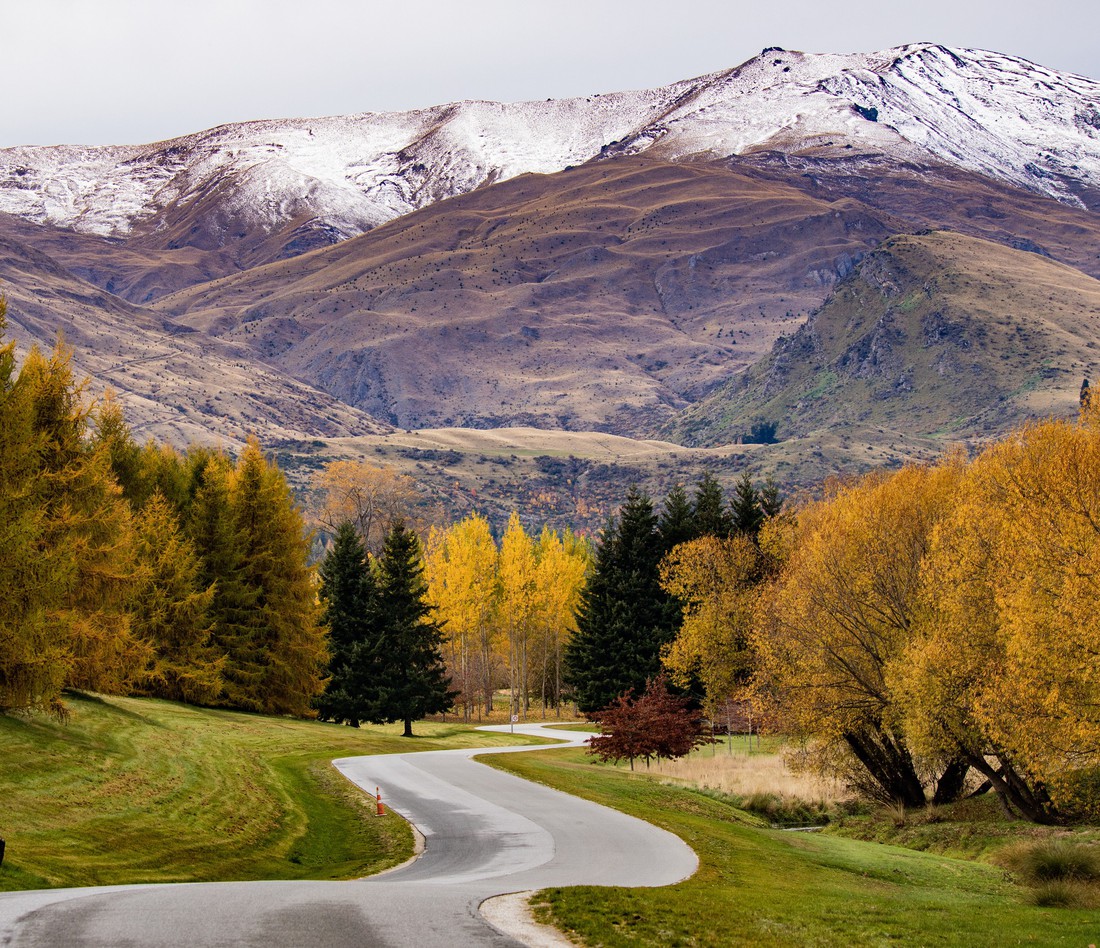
pixel 1008 666
pixel 846 607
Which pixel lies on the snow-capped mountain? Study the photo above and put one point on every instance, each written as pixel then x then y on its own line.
pixel 1000 116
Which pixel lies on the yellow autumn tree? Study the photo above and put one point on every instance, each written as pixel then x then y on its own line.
pixel 34 655
pixel 562 562
pixel 844 609
pixel 371 497
pixel 1008 667
pixel 518 607
pixel 717 580
pixel 461 569
pixel 87 526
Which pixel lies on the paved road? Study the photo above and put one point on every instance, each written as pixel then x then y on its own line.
pixel 486 833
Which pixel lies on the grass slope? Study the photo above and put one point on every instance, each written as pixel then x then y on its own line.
pixel 934 336
pixel 757 886
pixel 138 790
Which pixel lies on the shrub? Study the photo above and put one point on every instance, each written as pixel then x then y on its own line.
pixel 1054 860
pixel 1064 893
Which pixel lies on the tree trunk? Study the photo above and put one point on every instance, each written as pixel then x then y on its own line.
pixel 1015 792
pixel 408 728
pixel 889 765
pixel 951 782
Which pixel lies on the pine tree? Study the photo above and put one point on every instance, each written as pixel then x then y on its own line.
pixel 625 618
pixel 412 676
pixel 171 610
pixel 677 523
pixel 771 500
pixel 220 548
pixel 709 509
pixel 350 597
pixel 745 507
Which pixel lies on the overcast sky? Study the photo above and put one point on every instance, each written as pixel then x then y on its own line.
pixel 131 71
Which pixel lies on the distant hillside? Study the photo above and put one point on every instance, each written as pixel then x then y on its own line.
pixel 175 383
pixel 937 336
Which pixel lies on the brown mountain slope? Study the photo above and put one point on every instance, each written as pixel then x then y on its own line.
pixel 608 296
pixel 933 338
pixel 601 297
pixel 180 247
pixel 173 383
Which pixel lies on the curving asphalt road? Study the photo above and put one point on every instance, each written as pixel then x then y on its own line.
pixel 486 833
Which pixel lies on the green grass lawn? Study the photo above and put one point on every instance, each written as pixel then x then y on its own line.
pixel 139 790
pixel 758 886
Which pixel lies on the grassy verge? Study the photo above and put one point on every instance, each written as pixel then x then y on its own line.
pixel 138 790
pixel 757 886
pixel 972 829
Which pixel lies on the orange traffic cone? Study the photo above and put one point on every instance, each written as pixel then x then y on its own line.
pixel 379 806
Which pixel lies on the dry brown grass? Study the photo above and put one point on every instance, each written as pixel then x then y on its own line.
pixel 745 773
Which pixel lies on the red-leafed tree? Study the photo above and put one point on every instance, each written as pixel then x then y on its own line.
pixel 658 724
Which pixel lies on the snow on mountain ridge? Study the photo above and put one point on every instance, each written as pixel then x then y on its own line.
pixel 986 112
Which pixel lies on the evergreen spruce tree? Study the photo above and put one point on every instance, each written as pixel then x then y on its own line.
pixel 220 548
pixel 349 595
pixel 771 501
pixel 677 522
pixel 709 509
pixel 412 678
pixel 624 617
pixel 745 507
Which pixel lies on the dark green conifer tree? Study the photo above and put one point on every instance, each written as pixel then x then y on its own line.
pixel 709 509
pixel 412 678
pixel 677 522
pixel 349 595
pixel 220 548
pixel 745 507
pixel 624 617
pixel 771 500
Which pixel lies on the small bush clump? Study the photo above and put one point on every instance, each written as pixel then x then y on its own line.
pixel 1064 893
pixel 1054 860
pixel 1060 872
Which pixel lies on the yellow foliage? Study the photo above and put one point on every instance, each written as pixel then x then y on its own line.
pixel 717 581
pixel 461 570
pixel 1009 661
pixel 373 498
